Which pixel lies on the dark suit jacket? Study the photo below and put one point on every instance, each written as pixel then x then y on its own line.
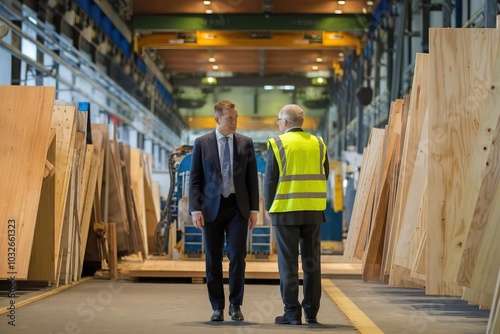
pixel 270 186
pixel 205 176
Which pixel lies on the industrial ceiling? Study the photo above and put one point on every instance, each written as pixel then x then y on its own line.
pixel 249 43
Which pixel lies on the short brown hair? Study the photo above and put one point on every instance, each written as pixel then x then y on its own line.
pixel 221 106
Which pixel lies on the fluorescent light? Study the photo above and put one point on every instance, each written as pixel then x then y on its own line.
pixel 319 60
pixel 314 68
pixel 338 11
pixel 369 3
pixel 268 87
pixel 211 60
pixel 341 2
pixel 206 3
pixel 208 11
pixel 215 67
pixel 32 19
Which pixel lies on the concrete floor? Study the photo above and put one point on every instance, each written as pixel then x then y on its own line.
pixel 161 306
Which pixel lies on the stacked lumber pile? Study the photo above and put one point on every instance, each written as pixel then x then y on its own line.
pixel 427 206
pixel 64 181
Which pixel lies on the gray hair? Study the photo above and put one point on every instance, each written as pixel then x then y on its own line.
pixel 293 114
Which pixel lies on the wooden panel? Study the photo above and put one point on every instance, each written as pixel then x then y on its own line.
pixel 373 261
pixel 150 205
pixel 137 183
pixel 457 92
pixel 417 112
pixel 42 263
pixel 88 201
pixel 25 114
pixel 410 235
pixel 364 195
pixel 63 120
pixel 484 166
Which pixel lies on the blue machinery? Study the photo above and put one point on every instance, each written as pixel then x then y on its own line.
pixel 176 211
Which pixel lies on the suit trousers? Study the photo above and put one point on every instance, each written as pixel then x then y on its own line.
pixel 288 238
pixel 231 224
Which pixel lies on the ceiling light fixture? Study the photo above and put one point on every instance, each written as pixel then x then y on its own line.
pixel 318 81
pixel 215 67
pixel 364 10
pixel 314 68
pixel 206 3
pixel 211 60
pixel 338 11
pixel 208 11
pixel 209 81
pixel 341 2
pixel 341 55
pixel 319 60
pixel 369 3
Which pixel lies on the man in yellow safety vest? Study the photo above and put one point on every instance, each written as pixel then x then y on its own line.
pixel 297 168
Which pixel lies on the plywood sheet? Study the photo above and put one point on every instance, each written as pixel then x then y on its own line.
pixel 412 145
pixel 484 167
pixel 25 114
pixel 460 68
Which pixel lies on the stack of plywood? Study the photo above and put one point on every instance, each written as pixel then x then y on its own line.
pixel 25 116
pixel 57 177
pixel 433 217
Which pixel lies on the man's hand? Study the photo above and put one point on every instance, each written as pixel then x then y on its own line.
pixel 198 221
pixel 252 221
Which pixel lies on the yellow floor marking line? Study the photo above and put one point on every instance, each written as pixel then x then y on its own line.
pixel 360 320
pixel 45 294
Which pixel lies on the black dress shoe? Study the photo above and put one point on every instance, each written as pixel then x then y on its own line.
pixel 285 320
pixel 312 320
pixel 218 315
pixel 235 313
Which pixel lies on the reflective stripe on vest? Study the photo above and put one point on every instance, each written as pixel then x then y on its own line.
pixel 301 187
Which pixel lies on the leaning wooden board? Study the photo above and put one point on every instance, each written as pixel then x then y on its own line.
pixel 25 116
pixel 461 64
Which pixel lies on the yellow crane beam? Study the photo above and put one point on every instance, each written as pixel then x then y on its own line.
pixel 229 39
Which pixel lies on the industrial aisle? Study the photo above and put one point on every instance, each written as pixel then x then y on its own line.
pixel 101 306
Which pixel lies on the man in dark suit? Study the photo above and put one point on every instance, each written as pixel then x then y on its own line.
pixel 297 168
pixel 224 200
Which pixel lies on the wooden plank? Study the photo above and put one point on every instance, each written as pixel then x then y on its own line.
pixel 494 318
pixel 25 114
pixel 64 255
pixel 150 207
pixel 63 120
pixel 416 115
pixel 42 261
pixel 89 201
pixel 456 103
pixel 410 233
pixel 137 183
pixel 373 261
pixel 113 256
pixel 134 237
pixel 487 135
pixel 488 258
pixel 359 225
pixel 49 169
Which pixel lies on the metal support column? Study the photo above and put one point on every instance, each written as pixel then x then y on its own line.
pixel 398 63
pixel 490 13
pixel 447 10
pixel 426 22
pixel 360 143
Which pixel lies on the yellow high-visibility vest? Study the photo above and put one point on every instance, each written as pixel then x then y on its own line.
pixel 302 179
